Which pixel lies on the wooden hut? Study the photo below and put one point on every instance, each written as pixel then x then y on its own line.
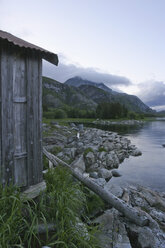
pixel 21 110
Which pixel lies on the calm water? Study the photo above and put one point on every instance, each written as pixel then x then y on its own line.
pixel 148 169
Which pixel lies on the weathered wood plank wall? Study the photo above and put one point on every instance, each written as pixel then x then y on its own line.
pixel 20 116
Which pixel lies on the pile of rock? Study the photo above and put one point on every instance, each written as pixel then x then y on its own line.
pixel 93 151
pixel 118 232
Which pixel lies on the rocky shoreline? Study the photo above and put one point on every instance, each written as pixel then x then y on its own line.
pixel 90 150
pixel 120 123
pixel 97 154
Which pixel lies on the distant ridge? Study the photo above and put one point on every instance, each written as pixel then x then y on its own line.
pixel 78 81
pixel 83 94
pixel 99 92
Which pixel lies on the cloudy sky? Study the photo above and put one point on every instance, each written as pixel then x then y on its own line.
pixel 118 42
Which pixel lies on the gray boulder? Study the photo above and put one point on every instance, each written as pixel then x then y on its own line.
pixel 100 181
pixel 109 145
pixel 136 152
pixel 113 232
pixel 104 173
pixel 114 189
pixel 112 160
pixel 71 152
pixel 146 237
pixel 101 155
pixel 116 173
pixel 90 158
pixel 94 174
pixel 79 164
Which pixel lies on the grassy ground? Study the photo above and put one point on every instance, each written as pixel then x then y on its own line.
pixel 64 203
pixel 82 120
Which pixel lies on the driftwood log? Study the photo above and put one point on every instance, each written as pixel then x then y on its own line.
pixel 34 190
pixel 128 211
pixel 43 228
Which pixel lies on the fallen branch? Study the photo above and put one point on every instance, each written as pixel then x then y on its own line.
pixel 128 211
pixel 43 228
pixel 34 190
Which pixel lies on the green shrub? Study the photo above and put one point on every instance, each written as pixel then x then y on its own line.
pixel 49 115
pixel 60 114
pixel 132 115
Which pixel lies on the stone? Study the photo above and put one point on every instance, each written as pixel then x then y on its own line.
pixel 112 160
pixel 121 155
pixel 116 173
pixel 136 152
pixel 71 139
pixel 80 127
pixel 104 173
pixel 159 215
pixel 146 237
pixel 113 232
pixel 100 181
pixel 131 147
pixel 114 189
pixel 85 174
pixel 90 158
pixel 125 196
pixel 152 198
pixel 94 174
pixel 118 146
pixel 72 124
pixel 93 167
pixel 101 155
pixel 109 145
pixel 82 229
pixel 70 152
pixel 79 163
pixel 80 144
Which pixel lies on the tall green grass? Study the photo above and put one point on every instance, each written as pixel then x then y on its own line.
pixel 67 204
pixel 17 219
pixel 63 203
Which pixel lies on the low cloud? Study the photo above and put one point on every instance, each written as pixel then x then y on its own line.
pixel 153 93
pixel 66 71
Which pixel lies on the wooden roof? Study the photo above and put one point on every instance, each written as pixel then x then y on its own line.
pixel 49 56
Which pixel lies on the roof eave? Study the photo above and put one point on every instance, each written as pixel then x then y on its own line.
pixel 49 56
pixel 52 58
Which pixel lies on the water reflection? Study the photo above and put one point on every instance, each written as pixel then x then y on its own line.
pixel 148 169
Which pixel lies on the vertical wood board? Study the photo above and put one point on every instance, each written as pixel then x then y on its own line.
pixel 20 119
pixel 33 126
pixel 7 162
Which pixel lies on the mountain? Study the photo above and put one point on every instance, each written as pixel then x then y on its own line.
pixel 98 92
pixel 57 95
pixel 78 81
